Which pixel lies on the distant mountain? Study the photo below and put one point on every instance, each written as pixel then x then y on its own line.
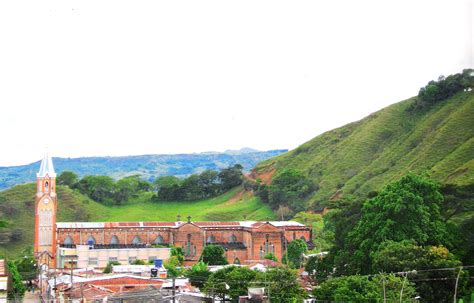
pixel 364 156
pixel 149 166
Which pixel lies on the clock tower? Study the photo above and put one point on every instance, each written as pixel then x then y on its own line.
pixel 45 213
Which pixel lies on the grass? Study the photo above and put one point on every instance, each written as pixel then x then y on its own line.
pixel 17 208
pixel 365 155
pixel 215 209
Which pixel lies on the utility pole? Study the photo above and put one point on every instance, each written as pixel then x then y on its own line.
pixel 174 286
pixel 403 285
pixel 456 287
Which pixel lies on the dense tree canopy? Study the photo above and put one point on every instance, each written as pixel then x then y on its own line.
pixel 198 274
pixel 444 88
pixel 365 289
pixel 214 255
pixel 425 265
pixel 295 252
pixel 408 209
pixel 288 188
pixel 208 184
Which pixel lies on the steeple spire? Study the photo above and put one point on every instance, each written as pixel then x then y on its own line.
pixel 46 167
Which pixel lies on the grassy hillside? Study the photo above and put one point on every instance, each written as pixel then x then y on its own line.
pixel 365 155
pixel 17 208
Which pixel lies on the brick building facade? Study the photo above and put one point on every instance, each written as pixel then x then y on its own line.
pixel 243 241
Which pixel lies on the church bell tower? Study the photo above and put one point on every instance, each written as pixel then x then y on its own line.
pixel 45 213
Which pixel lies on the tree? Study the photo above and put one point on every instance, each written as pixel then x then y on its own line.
pixel 408 209
pixel 296 248
pixel 169 188
pixel 282 284
pixel 98 188
pixel 318 268
pixel 284 212
pixel 173 267
pixel 67 178
pixel 26 264
pixel 214 255
pixel 178 253
pixel 198 274
pixel 108 267
pixel 289 187
pixel 231 177
pixel 271 256
pixel 365 289
pixel 421 264
pixel 230 281
pixel 18 288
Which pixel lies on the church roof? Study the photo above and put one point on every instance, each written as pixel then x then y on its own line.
pixel 46 167
pixel 209 224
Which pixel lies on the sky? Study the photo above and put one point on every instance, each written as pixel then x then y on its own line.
pixel 109 78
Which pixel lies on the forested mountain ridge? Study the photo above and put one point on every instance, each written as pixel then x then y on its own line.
pixel 365 155
pixel 148 166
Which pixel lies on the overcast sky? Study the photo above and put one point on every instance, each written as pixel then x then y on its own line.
pixel 96 78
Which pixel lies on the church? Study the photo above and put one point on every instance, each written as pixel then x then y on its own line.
pixel 83 244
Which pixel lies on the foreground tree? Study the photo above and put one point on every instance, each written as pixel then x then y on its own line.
pixel 198 274
pixel 381 288
pixel 230 281
pixel 432 268
pixel 296 249
pixel 408 209
pixel 18 289
pixel 214 255
pixel 282 283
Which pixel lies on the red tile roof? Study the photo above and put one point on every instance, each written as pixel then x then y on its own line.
pixel 162 224
pixel 217 223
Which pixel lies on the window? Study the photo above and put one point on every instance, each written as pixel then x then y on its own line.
pixel 303 238
pixel 136 240
pixel 294 236
pixel 132 259
pixel 90 240
pixel 211 239
pixel 113 259
pixel 68 241
pixel 233 238
pixel 159 240
pixel 114 240
pixel 93 261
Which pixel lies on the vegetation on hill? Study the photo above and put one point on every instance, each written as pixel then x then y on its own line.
pixel 17 211
pixel 149 167
pixel 363 156
pixel 402 230
pixel 106 190
pixel 207 184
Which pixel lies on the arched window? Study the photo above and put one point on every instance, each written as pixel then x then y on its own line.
pixel 303 238
pixel 233 238
pixel 114 240
pixel 211 239
pixel 136 240
pixel 236 261
pixel 90 240
pixel 159 240
pixel 46 186
pixel 68 241
pixel 294 236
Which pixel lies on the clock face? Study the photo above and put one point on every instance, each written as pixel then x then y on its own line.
pixel 46 201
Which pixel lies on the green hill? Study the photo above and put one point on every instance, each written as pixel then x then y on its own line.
pixel 17 210
pixel 365 155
